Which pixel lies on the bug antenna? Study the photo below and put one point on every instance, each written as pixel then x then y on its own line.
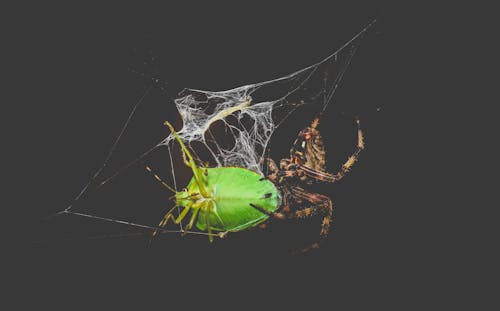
pixel 160 180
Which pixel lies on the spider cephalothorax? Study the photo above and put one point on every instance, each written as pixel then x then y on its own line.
pixel 307 151
pixel 231 199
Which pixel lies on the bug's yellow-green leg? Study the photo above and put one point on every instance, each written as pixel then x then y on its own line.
pixel 169 216
pixel 194 216
pixel 207 221
pixel 196 170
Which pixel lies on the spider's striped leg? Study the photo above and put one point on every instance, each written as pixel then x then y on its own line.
pixel 273 169
pixel 272 166
pixel 321 205
pixel 276 215
pixel 327 177
pixel 276 174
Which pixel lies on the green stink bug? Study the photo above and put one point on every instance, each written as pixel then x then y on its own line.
pixel 220 199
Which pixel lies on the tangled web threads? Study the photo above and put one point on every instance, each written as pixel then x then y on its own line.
pixel 249 112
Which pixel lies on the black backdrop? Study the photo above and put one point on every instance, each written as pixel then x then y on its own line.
pixel 80 90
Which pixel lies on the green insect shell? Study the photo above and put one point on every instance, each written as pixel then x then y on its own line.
pixel 232 191
pixel 220 199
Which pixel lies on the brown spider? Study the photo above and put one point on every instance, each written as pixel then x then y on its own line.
pixel 305 166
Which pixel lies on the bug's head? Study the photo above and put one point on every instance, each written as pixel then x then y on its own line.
pixel 186 197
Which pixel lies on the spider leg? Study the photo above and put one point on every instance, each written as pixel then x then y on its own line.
pixel 263 226
pixel 273 168
pixel 274 172
pixel 328 177
pixel 276 215
pixel 322 204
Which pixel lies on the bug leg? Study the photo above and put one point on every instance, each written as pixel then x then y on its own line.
pixel 321 204
pixel 170 215
pixel 194 217
pixel 209 229
pixel 185 160
pixel 223 234
pixel 189 160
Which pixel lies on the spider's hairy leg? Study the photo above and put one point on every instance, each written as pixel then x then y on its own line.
pixel 273 168
pixel 354 157
pixel 315 122
pixel 321 204
pixel 327 177
pixel 274 171
pixel 276 215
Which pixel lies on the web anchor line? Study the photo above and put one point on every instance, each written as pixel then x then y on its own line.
pixel 108 157
pixel 132 224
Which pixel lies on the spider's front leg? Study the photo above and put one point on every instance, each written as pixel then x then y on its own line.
pixel 328 177
pixel 276 174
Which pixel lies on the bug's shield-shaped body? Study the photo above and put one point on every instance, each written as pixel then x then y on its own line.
pixel 231 191
pixel 222 199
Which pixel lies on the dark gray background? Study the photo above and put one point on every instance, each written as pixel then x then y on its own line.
pixel 80 90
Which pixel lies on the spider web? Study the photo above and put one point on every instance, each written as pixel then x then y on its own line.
pixel 235 126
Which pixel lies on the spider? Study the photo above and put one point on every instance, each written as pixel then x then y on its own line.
pixel 306 165
pixel 231 199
